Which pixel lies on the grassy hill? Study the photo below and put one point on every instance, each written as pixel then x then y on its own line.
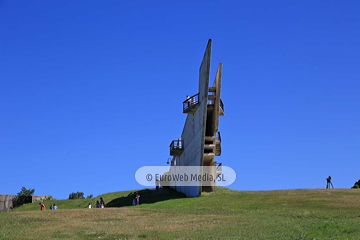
pixel 224 214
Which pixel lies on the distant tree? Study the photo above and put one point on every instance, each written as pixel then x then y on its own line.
pixel 77 195
pixel 90 196
pixel 356 184
pixel 24 196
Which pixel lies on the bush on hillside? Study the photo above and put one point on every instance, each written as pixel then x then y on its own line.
pixel 77 195
pixel 48 198
pixel 356 184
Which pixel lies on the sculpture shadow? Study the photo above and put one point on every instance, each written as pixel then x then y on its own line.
pixel 146 196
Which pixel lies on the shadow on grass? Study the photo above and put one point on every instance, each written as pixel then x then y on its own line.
pixel 146 196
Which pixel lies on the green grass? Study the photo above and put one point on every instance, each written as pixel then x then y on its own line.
pixel 224 214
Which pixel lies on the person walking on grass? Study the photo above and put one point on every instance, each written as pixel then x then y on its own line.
pixel 42 207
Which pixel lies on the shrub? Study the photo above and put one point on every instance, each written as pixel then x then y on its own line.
pixel 77 195
pixel 48 198
pixel 356 184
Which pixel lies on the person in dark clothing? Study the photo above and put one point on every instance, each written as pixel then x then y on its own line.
pixel 102 203
pixel 137 199
pixel 134 200
pixel 328 182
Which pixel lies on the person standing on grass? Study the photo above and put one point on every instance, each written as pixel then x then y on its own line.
pixel 97 205
pixel 134 199
pixel 137 199
pixel 89 205
pixel 328 182
pixel 42 206
pixel 102 203
pixel 54 207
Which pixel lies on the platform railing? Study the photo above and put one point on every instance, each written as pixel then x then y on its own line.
pixel 176 147
pixel 190 102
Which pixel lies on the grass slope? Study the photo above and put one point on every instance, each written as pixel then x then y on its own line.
pixel 224 214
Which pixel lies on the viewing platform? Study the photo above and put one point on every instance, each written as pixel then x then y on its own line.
pixel 191 104
pixel 176 147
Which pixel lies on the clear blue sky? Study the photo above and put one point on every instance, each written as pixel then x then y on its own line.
pixel 92 90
